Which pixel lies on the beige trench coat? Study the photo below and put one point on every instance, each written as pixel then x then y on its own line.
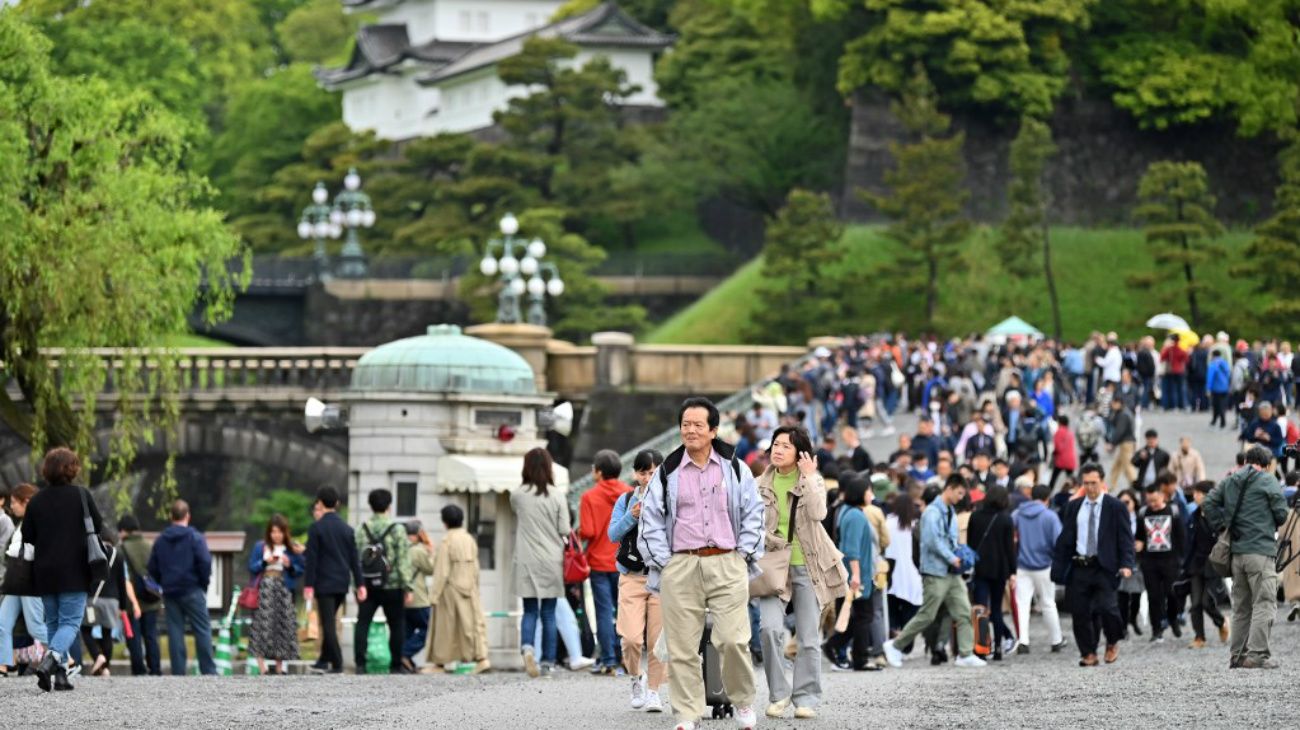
pixel 459 627
pixel 824 561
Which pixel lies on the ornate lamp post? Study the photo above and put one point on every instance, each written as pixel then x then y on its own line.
pixel 513 270
pixel 352 211
pixel 316 224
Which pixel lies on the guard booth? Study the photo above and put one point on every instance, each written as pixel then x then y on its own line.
pixel 445 418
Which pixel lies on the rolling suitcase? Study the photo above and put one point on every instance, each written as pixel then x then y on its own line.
pixel 715 694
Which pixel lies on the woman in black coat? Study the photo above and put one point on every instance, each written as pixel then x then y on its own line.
pixel 55 527
pixel 992 535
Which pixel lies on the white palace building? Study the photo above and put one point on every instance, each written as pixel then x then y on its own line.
pixel 430 66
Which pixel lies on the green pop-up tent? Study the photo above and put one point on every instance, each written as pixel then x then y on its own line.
pixel 1013 327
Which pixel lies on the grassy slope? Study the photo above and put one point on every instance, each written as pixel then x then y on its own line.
pixel 1090 265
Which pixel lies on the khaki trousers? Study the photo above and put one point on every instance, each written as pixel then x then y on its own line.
pixel 689 584
pixel 1254 605
pixel 1124 465
pixel 949 592
pixel 639 622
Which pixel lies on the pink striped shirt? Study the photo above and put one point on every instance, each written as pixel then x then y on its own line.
pixel 702 517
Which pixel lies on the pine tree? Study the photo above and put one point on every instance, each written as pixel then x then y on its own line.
pixel 1272 259
pixel 798 295
pixel 1175 204
pixel 927 196
pixel 1025 232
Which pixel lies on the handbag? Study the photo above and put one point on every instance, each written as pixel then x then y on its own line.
pixel 96 558
pixel 1221 554
pixel 248 595
pixel 20 571
pixel 576 568
pixel 93 613
pixel 775 564
pixel 310 632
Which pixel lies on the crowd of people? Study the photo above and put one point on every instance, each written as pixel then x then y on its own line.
pixel 770 538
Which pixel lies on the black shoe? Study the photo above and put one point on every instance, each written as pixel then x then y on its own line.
pixel 1177 629
pixel 1022 649
pixel 61 683
pixel 1136 629
pixel 1056 648
pixel 938 657
pixel 48 666
pixel 997 655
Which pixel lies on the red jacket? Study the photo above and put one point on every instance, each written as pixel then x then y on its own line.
pixel 1063 453
pixel 593 523
pixel 1175 358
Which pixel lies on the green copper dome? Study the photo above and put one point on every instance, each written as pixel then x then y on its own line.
pixel 444 360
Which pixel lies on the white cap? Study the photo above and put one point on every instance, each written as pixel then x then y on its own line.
pixel 1222 336
pixel 822 352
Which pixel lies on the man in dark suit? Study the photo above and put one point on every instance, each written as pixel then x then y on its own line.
pixel 333 566
pixel 1094 551
pixel 1150 460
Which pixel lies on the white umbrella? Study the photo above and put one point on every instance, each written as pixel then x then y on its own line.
pixel 1167 321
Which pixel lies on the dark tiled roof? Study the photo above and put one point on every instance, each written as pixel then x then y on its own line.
pixel 606 25
pixel 380 47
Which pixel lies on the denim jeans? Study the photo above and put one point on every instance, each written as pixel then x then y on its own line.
pixel 189 610
pixel 1174 392
pixel 545 607
pixel 146 657
pixel 566 626
pixel 604 590
pixel 416 623
pixel 63 615
pixel 33 611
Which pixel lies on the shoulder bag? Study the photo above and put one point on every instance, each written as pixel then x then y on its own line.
pixel 20 575
pixel 576 568
pixel 95 615
pixel 775 564
pixel 1221 554
pixel 96 558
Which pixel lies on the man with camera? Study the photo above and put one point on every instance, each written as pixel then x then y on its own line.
pixel 1094 551
pixel 941 578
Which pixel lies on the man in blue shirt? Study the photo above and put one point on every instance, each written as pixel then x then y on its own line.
pixel 942 584
pixel 1266 431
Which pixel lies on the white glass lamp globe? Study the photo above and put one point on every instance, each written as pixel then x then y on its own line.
pixel 517 286
pixel 509 224
pixel 555 287
pixel 335 230
pixel 528 266
pixel 304 229
pixel 337 217
pixel 319 195
pixel 354 218
pixel 536 286
pixel 368 218
pixel 321 229
pixel 488 266
pixel 352 181
pixel 509 265
pixel 536 248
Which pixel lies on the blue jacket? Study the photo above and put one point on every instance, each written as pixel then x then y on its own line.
pixel 180 561
pixel 1038 528
pixel 621 521
pixel 856 541
pixel 1276 436
pixel 659 513
pixel 1218 379
pixel 938 538
pixel 296 565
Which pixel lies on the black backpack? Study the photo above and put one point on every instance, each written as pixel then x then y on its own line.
pixel 629 555
pixel 375 565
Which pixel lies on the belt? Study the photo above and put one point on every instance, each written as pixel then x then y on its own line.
pixel 1085 560
pixel 704 552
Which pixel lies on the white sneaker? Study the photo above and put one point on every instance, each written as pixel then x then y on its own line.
pixel 777 709
pixel 971 661
pixel 581 663
pixel 746 718
pixel 638 692
pixel 892 654
pixel 805 713
pixel 652 701
pixel 530 663
pixel 1008 645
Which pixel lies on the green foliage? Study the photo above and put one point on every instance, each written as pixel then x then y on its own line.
pixel 796 297
pixel 1025 244
pixel 102 243
pixel 317 31
pixel 653 13
pixel 1006 55
pixel 926 200
pixel 1271 263
pixel 1177 209
pixel 294 505
pixel 717 42
pixel 1190 61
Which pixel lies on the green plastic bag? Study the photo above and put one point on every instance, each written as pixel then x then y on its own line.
pixel 378 659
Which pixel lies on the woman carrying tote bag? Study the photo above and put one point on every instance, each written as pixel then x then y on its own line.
pixel 56 527
pixel 814 576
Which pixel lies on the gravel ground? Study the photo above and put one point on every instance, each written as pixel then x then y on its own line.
pixel 1152 685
